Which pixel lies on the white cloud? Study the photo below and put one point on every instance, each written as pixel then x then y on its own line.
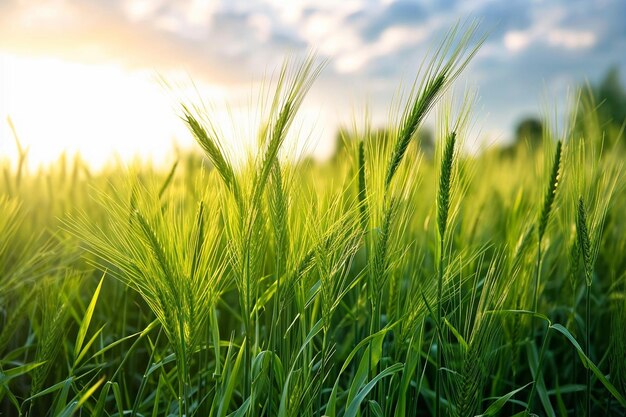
pixel 140 9
pixel 571 39
pixel 262 25
pixel 198 12
pixel 547 28
pixel 327 31
pixel 517 40
pixel 90 32
pixel 390 41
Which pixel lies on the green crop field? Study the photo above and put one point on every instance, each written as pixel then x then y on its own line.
pixel 384 282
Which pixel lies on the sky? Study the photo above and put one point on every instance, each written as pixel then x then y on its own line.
pixel 105 77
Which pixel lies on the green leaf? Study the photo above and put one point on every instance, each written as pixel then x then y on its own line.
pixel 243 410
pixel 168 179
pixel 522 312
pixel 84 325
pixel 6 376
pixel 369 360
pixel 533 359
pixel 456 334
pixel 332 401
pixel 157 396
pixel 282 410
pixel 412 360
pixel 141 334
pixel 156 366
pixel 353 408
pixel 75 405
pixel 215 338
pixel 233 378
pixel 375 408
pixel 500 402
pixel 89 392
pixel 261 365
pixel 51 389
pixel 587 363
pixel 99 408
pixel 61 400
pixel 88 345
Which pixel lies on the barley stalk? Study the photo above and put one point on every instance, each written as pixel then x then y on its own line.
pixel 584 243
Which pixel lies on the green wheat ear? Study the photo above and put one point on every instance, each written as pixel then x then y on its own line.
pixel 411 124
pixel 445 179
pixel 209 142
pixel 446 64
pixel 548 201
pixel 584 243
pixel 362 185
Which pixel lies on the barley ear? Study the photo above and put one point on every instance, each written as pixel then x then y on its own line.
pixel 447 63
pixel 419 110
pixel 445 180
pixel 211 146
pixel 168 179
pixel 548 201
pixel 362 186
pixel 584 243
pixel 290 93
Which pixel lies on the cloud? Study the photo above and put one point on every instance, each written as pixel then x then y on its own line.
pixel 219 46
pixel 571 39
pixel 547 28
pixel 561 38
pixel 91 32
pixel 402 13
pixel 393 39
pixel 371 44
pixel 517 40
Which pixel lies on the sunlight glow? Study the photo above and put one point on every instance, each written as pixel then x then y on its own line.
pixel 105 111
pixel 97 110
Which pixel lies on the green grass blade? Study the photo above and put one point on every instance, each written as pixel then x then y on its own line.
pixel 354 406
pixel 84 325
pixel 587 363
pixel 497 405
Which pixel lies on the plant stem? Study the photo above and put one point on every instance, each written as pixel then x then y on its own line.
pixel 182 392
pixel 588 347
pixel 322 370
pixel 536 289
pixel 439 334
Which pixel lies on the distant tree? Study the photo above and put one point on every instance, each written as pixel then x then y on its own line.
pixel 529 132
pixel 610 97
pixel 343 138
pixel 424 140
pixel 602 111
pixel 528 136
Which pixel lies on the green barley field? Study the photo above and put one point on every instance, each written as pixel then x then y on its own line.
pixel 387 281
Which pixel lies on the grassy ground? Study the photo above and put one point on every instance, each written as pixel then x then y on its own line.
pixel 382 283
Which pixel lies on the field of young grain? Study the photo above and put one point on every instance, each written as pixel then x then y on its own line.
pixel 381 283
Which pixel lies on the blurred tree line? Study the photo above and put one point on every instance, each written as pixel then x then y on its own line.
pixel 609 97
pixel 424 140
pixel 604 101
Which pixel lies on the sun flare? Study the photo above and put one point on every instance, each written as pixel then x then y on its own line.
pixel 99 111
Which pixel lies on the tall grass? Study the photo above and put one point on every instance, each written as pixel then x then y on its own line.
pixel 170 257
pixel 380 283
